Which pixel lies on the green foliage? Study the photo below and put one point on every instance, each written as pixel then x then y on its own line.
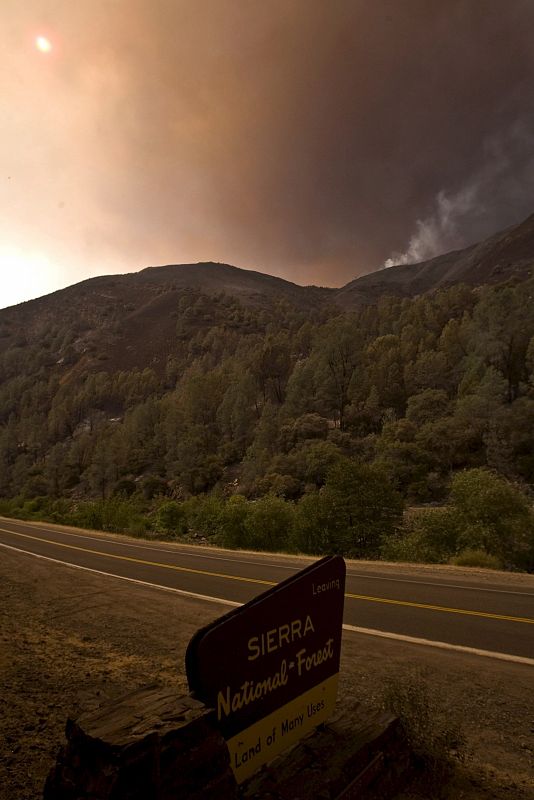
pixel 312 532
pixel 153 486
pixel 494 516
pixel 437 741
pixel 351 515
pixel 427 406
pixel 488 520
pixel 428 537
pixel 476 558
pixel 268 524
pixel 203 514
pixel 171 519
pixel 327 414
pixel 365 507
pixel 232 523
pixel 113 514
pixel 125 487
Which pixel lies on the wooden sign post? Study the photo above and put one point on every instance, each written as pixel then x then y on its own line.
pixel 270 668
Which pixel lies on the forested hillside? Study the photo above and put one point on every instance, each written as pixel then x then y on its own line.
pixel 272 424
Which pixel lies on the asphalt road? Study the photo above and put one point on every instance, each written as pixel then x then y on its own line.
pixel 494 614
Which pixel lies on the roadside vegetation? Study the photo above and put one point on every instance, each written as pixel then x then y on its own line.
pixel 437 741
pixel 402 431
pixel 488 522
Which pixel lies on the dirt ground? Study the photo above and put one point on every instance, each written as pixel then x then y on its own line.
pixel 70 639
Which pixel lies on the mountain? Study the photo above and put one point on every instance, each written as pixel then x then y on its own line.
pixel 504 256
pixel 122 322
pixel 182 380
pixel 128 321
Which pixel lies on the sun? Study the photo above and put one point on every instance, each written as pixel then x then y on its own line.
pixel 43 44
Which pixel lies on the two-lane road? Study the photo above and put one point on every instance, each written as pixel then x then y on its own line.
pixel 489 613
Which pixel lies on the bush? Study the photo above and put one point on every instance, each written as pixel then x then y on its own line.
pixel 152 486
pixel 476 558
pixel 232 522
pixel 360 509
pixel 89 514
pixel 171 519
pixel 60 511
pixel 203 515
pixel 115 514
pixel 428 537
pixel 125 487
pixel 495 517
pixel 269 524
pixel 311 529
pixel 437 742
pixel 412 547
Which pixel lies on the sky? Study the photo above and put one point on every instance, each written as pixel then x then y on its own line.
pixel 312 140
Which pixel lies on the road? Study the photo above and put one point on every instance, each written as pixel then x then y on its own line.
pixel 459 610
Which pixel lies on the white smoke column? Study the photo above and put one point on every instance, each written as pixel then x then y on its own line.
pixel 485 203
pixel 439 232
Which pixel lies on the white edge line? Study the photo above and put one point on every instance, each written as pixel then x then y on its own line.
pixel 352 628
pixel 472 651
pixel 125 578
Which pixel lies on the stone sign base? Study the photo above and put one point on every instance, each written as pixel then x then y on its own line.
pixel 155 745
pixel 360 754
pixel 151 744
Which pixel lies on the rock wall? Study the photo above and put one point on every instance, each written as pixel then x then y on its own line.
pixel 154 745
pixel 148 745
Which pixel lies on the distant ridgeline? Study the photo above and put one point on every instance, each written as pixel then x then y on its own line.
pixel 259 414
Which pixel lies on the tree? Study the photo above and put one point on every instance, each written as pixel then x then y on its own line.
pixel 271 367
pixel 237 413
pixel 313 531
pixel 310 461
pixel 503 324
pixel 171 518
pixel 494 516
pixel 268 524
pixel 337 355
pixel 361 507
pixel 232 522
pixel 428 371
pixel 385 372
pixel 427 406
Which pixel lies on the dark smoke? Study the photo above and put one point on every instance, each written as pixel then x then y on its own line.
pixel 302 138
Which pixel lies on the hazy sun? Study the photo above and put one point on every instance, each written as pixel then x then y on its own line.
pixel 43 44
pixel 25 274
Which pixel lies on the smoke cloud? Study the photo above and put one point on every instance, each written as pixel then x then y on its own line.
pixel 301 138
pixel 486 202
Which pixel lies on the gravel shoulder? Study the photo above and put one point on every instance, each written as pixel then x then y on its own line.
pixel 70 639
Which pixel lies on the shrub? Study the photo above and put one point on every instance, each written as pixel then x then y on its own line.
pixel 171 518
pixel 114 514
pixel 203 513
pixel 428 536
pixel 60 511
pixel 311 529
pixel 89 514
pixel 125 487
pixel 269 523
pixel 476 558
pixel 153 486
pixel 361 509
pixel 437 741
pixel 232 522
pixel 495 517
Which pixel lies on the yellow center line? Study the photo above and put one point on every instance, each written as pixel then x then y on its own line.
pixel 142 561
pixel 242 579
pixel 428 607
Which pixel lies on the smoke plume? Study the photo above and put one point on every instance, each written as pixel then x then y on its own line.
pixel 486 202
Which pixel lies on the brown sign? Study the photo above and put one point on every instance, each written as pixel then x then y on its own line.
pixel 270 667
